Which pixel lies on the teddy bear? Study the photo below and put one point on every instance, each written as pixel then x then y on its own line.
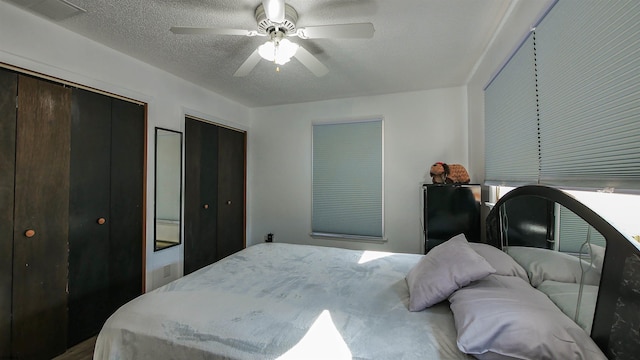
pixel 442 173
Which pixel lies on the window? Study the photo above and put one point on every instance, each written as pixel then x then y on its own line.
pixel 348 180
pixel 588 69
pixel 620 210
pixel 511 128
pixel 572 89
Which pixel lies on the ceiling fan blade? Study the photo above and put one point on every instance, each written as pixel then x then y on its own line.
pixel 274 10
pixel 248 64
pixel 341 31
pixel 211 31
pixel 310 62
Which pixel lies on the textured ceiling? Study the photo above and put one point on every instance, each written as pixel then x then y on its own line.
pixel 417 45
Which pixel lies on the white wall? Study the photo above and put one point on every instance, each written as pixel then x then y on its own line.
pixel 420 128
pixel 35 44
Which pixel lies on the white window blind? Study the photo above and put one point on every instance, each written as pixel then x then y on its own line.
pixel 511 125
pixel 588 60
pixel 574 231
pixel 587 92
pixel 348 179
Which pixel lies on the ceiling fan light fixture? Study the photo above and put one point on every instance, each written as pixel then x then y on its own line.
pixel 286 50
pixel 279 52
pixel 267 51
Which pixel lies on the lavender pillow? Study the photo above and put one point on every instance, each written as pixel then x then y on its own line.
pixel 443 270
pixel 503 317
pixel 501 261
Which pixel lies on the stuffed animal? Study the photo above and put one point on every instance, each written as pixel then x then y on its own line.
pixel 442 173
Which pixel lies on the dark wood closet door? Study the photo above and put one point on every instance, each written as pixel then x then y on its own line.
pixel 128 131
pixel 106 201
pixel 231 190
pixel 89 214
pixel 8 92
pixel 41 206
pixel 201 185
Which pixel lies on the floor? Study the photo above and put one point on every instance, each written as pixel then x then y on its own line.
pixel 82 351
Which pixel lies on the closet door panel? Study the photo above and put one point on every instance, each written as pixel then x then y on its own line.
pixel 88 203
pixel 41 205
pixel 209 194
pixel 201 182
pixel 231 180
pixel 128 131
pixel 8 92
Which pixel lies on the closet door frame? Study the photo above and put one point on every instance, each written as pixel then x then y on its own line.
pixel 8 116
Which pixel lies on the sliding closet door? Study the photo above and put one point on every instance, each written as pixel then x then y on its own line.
pixel 128 131
pixel 41 219
pixel 8 91
pixel 214 193
pixel 231 155
pixel 106 200
pixel 201 198
pixel 89 214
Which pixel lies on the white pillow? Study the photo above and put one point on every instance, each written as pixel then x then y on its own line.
pixel 544 264
pixel 565 296
pixel 501 261
pixel 446 268
pixel 503 317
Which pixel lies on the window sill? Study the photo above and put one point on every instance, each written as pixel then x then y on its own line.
pixel 347 237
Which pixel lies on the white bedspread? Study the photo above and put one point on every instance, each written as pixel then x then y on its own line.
pixel 284 301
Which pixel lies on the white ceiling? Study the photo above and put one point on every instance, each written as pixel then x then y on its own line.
pixel 417 45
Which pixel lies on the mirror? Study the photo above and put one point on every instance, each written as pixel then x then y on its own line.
pixel 561 252
pixel 168 188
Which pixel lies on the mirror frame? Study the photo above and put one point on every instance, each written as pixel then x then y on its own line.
pixel 156 246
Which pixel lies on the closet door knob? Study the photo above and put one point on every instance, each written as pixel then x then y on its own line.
pixel 29 233
pixel 206 206
pixel 228 202
pixel 101 221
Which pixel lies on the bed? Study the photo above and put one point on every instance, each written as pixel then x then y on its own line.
pixel 285 301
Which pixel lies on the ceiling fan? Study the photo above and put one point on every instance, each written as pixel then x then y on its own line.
pixel 277 21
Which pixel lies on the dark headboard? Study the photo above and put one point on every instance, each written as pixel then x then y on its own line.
pixel 616 323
